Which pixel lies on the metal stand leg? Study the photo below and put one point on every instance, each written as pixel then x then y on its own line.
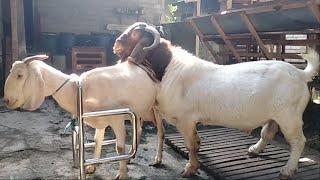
pixel 75 147
pixel 78 136
pixel 81 134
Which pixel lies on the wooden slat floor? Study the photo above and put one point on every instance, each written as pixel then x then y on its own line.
pixel 223 154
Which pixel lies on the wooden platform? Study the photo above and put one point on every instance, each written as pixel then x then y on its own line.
pixel 223 154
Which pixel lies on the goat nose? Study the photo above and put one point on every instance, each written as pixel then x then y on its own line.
pixel 6 101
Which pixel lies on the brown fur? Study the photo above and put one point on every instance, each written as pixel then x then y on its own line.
pixel 129 47
pixel 159 58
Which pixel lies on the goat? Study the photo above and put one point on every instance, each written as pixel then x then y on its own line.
pixel 272 94
pixel 122 85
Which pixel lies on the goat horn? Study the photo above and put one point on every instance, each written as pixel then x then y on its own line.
pixel 39 57
pixel 156 36
pixel 137 24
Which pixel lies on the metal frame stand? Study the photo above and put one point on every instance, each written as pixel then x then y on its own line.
pixel 79 146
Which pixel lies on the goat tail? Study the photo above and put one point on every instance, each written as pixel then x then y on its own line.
pixel 313 61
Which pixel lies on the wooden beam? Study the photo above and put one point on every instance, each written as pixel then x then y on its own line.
pixel 226 40
pixel 254 33
pixel 14 30
pixel 276 6
pixel 199 33
pixel 315 8
pixel 198 13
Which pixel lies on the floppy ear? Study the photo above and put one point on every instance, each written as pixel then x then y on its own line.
pixel 138 54
pixel 39 57
pixel 33 89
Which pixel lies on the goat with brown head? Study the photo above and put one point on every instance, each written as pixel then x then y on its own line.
pixel 141 44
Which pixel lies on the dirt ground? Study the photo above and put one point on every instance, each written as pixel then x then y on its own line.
pixel 32 146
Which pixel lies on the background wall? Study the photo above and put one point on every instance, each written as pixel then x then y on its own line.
pixel 84 16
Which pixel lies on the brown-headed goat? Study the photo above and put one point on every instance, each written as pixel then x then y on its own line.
pixel 272 94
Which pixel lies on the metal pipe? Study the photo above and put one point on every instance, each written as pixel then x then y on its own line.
pixel 106 113
pixel 81 134
pixel 108 159
pixel 75 147
pixel 104 143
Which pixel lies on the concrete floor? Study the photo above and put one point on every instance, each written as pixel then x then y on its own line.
pixel 32 147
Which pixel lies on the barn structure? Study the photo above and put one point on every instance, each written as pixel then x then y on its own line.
pixel 78 35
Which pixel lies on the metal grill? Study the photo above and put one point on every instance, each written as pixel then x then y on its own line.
pixel 223 154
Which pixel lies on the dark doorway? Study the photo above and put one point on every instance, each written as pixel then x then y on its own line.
pixel 29 24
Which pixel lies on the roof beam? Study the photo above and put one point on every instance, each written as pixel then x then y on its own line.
pixel 200 34
pixel 254 33
pixel 226 40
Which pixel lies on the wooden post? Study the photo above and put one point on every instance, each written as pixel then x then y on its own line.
pixel 198 13
pixel 225 38
pixel 14 30
pixel 254 33
pixel 199 33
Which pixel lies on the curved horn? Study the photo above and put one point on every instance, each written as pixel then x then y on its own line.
pixel 137 24
pixel 156 36
pixel 39 57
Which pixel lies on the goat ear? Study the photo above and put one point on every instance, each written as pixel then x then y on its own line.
pixel 33 89
pixel 39 57
pixel 138 54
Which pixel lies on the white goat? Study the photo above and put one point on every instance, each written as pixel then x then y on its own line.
pixel 245 96
pixel 122 85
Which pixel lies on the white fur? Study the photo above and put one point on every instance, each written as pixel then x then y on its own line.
pixel 119 86
pixel 243 96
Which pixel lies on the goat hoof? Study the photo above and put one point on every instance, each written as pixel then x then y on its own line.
pixel 252 151
pixel 286 173
pixel 252 154
pixel 190 170
pixel 90 169
pixel 121 176
pixel 156 164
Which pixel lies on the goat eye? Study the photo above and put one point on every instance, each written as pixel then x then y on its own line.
pixel 20 76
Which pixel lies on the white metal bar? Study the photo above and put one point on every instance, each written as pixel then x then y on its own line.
pixel 108 159
pixel 104 143
pixel 81 134
pixel 106 113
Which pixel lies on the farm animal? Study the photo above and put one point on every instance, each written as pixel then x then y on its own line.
pixel 122 85
pixel 272 94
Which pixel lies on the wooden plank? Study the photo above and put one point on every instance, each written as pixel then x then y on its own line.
pixel 275 157
pixel 215 136
pixel 227 158
pixel 243 152
pixel 254 33
pixel 199 33
pixel 14 31
pixel 259 167
pixel 305 168
pixel 223 140
pixel 225 38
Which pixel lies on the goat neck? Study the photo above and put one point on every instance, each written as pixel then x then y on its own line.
pixel 66 96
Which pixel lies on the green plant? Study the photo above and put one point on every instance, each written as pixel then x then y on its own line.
pixel 171 18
